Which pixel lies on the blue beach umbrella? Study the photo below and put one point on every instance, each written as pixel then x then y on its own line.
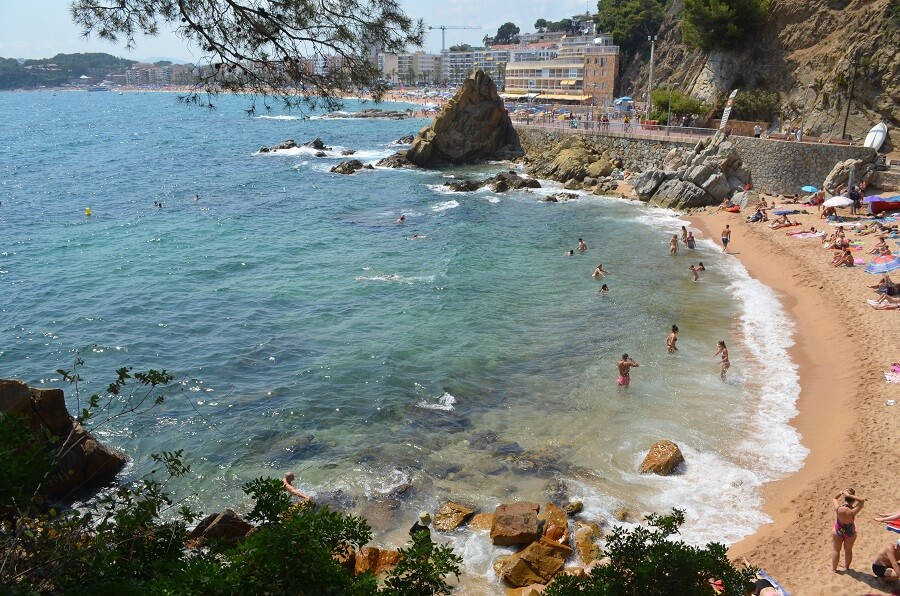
pixel 809 188
pixel 883 264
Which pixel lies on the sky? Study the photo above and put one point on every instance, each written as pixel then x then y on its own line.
pixel 44 28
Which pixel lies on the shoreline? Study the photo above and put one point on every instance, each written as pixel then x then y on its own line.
pixel 842 419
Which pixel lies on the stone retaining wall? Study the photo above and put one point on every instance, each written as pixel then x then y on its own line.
pixel 778 167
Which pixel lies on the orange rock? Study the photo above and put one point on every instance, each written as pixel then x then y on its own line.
pixel 662 458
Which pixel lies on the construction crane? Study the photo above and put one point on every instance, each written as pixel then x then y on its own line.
pixel 444 28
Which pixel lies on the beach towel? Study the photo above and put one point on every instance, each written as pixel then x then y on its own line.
pixel 892 377
pixel 763 575
pixel 786 212
pixel 806 234
pixel 893 526
pixel 858 261
pixel 882 305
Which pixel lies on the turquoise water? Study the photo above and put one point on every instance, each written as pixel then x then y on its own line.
pixel 309 332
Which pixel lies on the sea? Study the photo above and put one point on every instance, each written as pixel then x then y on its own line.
pixel 459 355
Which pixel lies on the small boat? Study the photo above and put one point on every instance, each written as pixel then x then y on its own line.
pixel 98 88
pixel 876 136
pixel 882 204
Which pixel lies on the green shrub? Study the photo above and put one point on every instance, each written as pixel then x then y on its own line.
pixel 721 24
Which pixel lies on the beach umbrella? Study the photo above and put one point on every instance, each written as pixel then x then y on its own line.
pixel 809 188
pixel 838 202
pixel 883 264
pixel 872 199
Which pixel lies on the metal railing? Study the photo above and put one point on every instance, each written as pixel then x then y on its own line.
pixel 617 128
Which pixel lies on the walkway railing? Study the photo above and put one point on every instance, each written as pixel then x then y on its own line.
pixel 657 132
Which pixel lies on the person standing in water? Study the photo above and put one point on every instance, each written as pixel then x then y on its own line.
pixel 625 365
pixel 604 290
pixel 726 237
pixel 724 363
pixel 673 245
pixel 684 235
pixel 695 273
pixel 581 245
pixel 672 339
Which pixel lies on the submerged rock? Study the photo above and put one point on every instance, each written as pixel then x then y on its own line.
pixel 451 515
pixel 347 167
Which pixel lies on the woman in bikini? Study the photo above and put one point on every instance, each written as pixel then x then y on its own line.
pixel 846 506
pixel 725 363
pixel 673 245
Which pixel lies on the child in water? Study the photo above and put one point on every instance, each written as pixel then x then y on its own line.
pixel 604 290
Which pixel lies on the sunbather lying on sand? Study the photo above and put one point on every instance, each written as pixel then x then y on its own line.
pixel 885 302
pixel 782 221
pixel 886 517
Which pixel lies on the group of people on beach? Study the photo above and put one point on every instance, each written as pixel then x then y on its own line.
pixel 847 506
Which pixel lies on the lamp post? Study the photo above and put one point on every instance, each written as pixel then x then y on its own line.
pixel 803 114
pixel 652 40
pixel 669 117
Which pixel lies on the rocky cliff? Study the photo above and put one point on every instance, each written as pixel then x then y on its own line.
pixel 805 53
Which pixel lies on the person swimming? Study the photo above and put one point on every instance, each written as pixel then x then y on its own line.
pixel 581 245
pixel 598 271
pixel 604 290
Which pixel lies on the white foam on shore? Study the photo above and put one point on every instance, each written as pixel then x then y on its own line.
pixel 281 117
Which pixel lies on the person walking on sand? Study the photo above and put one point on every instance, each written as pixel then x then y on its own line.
pixel 724 363
pixel 726 237
pixel 846 506
pixel 885 564
pixel 673 245
pixel 672 339
pixel 625 365
pixel 581 245
pixel 288 484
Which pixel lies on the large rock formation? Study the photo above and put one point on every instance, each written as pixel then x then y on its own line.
pixel 537 563
pixel 704 175
pixel 371 113
pixel 501 182
pixel 570 160
pixel 473 126
pixel 84 463
pixel 226 527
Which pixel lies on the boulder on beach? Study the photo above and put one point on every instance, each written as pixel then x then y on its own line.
pixel 662 458
pixel 515 523
pixel 226 527
pixel 537 563
pixel 451 515
pixel 473 126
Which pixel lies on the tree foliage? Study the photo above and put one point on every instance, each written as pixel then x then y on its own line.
pixel 647 561
pixel 422 568
pixel 755 104
pixel 304 52
pixel 630 21
pixel 540 25
pixel 721 24
pixel 682 104
pixel 507 33
pixel 58 70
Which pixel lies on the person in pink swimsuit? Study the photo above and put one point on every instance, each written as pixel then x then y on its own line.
pixel 625 365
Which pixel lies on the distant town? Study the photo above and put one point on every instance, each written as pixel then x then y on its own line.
pixel 568 62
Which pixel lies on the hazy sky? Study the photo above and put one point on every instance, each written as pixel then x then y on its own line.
pixel 43 28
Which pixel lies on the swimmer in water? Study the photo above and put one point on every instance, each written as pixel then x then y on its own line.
pixel 401 219
pixel 625 365
pixel 570 253
pixel 581 245
pixel 695 273
pixel 604 290
pixel 598 271
pixel 672 339
pixel 724 363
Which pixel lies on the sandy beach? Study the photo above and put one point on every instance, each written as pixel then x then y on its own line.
pixel 842 346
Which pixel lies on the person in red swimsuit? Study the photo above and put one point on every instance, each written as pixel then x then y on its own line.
pixel 846 506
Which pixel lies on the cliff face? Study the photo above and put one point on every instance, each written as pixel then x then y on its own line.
pixel 805 49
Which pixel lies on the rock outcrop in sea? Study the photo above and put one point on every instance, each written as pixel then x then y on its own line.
pixel 84 463
pixel 371 113
pixel 704 175
pixel 499 183
pixel 474 126
pixel 664 456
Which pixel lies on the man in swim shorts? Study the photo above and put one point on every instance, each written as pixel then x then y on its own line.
pixel 625 365
pixel 726 237
pixel 885 564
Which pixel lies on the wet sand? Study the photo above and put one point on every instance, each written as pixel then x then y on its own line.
pixel 842 346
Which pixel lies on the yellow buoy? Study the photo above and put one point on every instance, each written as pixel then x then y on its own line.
pixel 87 211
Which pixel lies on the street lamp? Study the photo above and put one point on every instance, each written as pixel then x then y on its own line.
pixel 803 114
pixel 669 117
pixel 652 40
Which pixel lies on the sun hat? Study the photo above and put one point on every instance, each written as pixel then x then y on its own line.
pixel 424 518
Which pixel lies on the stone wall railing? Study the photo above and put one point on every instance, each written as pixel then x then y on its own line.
pixel 777 167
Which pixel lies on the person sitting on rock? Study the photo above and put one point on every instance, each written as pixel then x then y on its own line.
pixel 421 525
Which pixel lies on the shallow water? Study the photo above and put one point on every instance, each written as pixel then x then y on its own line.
pixel 309 332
